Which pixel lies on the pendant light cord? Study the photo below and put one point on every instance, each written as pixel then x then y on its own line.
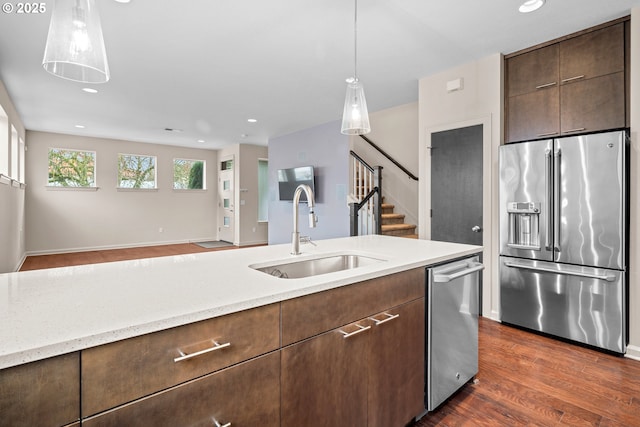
pixel 355 41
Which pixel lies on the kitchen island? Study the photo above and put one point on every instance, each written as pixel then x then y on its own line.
pixel 85 309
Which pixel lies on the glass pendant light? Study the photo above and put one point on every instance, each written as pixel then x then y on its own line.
pixel 355 117
pixel 75 47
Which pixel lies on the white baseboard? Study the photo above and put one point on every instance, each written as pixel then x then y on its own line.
pixel 108 247
pixel 633 352
pixel 22 260
pixel 256 242
pixel 495 316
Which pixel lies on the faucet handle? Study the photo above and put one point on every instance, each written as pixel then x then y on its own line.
pixel 306 239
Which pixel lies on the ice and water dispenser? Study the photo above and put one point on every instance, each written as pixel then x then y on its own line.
pixel 524 225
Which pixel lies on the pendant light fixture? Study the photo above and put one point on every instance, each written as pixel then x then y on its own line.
pixel 355 117
pixel 75 47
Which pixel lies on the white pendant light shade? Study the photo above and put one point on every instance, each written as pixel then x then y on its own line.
pixel 75 47
pixel 355 117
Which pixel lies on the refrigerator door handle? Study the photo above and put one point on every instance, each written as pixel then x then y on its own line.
pixel 549 197
pixel 607 277
pixel 556 200
pixel 445 278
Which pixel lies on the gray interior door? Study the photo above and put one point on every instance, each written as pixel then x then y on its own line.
pixel 456 185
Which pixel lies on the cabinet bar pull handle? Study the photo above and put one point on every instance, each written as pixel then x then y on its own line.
pixel 216 346
pixel 546 85
pixel 357 331
pixel 570 79
pixel 385 320
pixel 575 130
pixel 548 134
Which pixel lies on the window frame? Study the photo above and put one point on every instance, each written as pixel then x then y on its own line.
pixel 263 191
pixel 193 161
pixel 94 184
pixel 5 144
pixel 155 173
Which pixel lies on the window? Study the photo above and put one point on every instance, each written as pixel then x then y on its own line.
pixel 135 171
pixel 226 165
pixel 4 143
pixel 188 174
pixel 22 161
pixel 71 168
pixel 14 154
pixel 263 190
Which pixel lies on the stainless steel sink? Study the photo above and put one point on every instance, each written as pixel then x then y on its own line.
pixel 316 266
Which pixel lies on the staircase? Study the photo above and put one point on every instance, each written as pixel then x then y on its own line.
pixel 370 214
pixel 393 223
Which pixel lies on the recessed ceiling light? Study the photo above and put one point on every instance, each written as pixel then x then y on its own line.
pixel 123 1
pixel 79 126
pixel 252 120
pixel 244 135
pixel 201 140
pixel 89 90
pixel 531 5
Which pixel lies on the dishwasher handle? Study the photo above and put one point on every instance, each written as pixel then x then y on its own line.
pixel 472 267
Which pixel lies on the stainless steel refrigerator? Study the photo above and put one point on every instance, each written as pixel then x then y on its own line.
pixel 563 237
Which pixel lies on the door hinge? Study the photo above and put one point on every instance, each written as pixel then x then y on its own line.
pixel 430 213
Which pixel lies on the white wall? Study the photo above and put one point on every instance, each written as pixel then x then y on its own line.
pixel 72 220
pixel 247 229
pixel 12 201
pixel 395 130
pixel 479 102
pixel 634 215
pixel 324 148
pixel 251 231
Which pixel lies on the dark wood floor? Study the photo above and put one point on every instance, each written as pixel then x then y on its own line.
pixel 524 379
pixel 93 257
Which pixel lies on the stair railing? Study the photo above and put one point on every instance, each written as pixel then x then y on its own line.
pixel 391 159
pixel 366 212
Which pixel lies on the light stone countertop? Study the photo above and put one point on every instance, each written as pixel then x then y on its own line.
pixel 45 313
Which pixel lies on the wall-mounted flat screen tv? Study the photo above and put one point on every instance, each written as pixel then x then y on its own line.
pixel 289 179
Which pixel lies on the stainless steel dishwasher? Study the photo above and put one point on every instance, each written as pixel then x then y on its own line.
pixel 452 328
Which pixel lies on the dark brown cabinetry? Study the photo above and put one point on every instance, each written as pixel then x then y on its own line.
pixel 368 372
pixel 42 393
pixel 396 372
pixel 575 85
pixel 122 371
pixel 353 355
pixel 324 379
pixel 242 395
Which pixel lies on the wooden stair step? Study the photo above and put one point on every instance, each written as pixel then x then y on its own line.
pixel 398 229
pixel 393 215
pixel 394 227
pixel 387 208
pixel 392 218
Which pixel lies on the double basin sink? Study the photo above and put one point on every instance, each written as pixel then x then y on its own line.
pixel 315 266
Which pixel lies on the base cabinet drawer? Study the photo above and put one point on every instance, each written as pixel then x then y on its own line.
pixel 120 372
pixel 369 373
pixel 43 393
pixel 243 395
pixel 314 314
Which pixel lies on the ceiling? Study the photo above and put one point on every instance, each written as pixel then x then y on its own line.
pixel 206 66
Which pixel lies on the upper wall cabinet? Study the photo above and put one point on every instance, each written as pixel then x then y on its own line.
pixel 571 86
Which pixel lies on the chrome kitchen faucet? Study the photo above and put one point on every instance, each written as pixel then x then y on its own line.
pixel 295 235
